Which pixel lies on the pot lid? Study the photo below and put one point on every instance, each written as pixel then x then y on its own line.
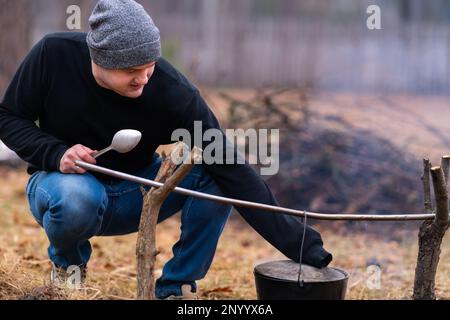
pixel 288 270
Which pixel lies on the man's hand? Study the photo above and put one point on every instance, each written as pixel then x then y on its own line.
pixel 77 152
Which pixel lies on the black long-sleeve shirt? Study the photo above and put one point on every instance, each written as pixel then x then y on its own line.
pixel 54 102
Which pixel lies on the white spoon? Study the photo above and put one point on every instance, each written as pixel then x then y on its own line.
pixel 123 142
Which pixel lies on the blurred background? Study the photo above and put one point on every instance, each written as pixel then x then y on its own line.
pixel 357 110
pixel 356 107
pixel 253 43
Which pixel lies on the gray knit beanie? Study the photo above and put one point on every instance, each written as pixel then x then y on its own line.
pixel 122 35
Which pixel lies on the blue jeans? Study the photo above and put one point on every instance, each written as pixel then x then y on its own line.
pixel 73 208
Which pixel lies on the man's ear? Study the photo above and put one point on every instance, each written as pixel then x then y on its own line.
pixel 97 73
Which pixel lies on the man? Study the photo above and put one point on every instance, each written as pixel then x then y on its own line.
pixel 83 89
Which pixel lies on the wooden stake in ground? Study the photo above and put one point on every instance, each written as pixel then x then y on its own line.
pixel 426 186
pixel 432 232
pixel 146 242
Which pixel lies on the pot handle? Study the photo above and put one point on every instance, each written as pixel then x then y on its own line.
pixel 300 281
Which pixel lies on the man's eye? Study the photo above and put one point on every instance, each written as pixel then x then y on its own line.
pixel 130 71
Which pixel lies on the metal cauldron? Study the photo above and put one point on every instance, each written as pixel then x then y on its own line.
pixel 279 280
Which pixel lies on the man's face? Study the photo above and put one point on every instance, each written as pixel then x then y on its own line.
pixel 126 82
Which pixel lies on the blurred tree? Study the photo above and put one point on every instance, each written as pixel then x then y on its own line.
pixel 15 22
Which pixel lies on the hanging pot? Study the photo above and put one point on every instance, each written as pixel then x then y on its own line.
pixel 279 280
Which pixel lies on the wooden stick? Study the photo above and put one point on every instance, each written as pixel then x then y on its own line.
pixel 426 186
pixel 441 196
pixel 153 200
pixel 445 162
pixel 430 239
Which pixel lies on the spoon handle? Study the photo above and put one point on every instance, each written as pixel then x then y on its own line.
pixel 98 154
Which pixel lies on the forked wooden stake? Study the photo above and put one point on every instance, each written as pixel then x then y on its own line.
pixel 432 232
pixel 146 241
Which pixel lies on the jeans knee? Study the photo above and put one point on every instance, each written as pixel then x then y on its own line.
pixel 80 208
pixel 84 217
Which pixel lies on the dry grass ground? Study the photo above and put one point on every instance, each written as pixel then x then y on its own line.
pixel 24 268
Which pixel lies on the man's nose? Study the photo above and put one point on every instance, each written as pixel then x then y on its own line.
pixel 142 78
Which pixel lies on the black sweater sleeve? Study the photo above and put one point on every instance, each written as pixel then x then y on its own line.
pixel 20 108
pixel 240 181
